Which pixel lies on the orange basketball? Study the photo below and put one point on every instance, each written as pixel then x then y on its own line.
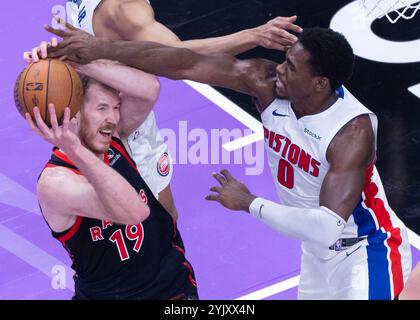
pixel 48 81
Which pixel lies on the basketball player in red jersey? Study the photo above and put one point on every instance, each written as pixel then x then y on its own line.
pixel 122 242
pixel 321 147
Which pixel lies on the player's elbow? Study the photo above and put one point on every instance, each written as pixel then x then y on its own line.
pixel 154 89
pixel 140 213
pixel 147 94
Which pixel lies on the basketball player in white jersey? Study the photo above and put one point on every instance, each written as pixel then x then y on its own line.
pixel 321 146
pixel 134 20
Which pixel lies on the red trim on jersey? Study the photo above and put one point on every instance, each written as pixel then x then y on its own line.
pixel 50 165
pixel 384 220
pixel 179 249
pixel 72 231
pixel 178 297
pixel 125 155
pixel 59 154
pixel 190 277
pixel 106 158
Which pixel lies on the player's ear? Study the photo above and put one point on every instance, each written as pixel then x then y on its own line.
pixel 321 83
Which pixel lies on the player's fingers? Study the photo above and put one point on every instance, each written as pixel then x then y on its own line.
pixel 64 24
pixel 289 38
pixel 63 44
pixel 27 56
pixel 54 42
pixel 66 119
pixel 227 175
pixel 32 124
pixel 58 53
pixel 53 118
pixel 57 32
pixel 216 189
pixel 44 49
pixel 282 18
pixel 212 197
pixel 288 26
pixel 219 178
pixel 40 123
pixel 34 54
pixel 283 35
pixel 276 46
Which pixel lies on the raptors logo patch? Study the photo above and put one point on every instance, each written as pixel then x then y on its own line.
pixel 163 165
pixel 111 154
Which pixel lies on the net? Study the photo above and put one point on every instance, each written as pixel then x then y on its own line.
pixel 394 10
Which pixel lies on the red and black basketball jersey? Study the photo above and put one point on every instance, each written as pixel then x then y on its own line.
pixel 144 261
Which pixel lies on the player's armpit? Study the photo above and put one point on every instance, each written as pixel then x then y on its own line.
pixel 349 154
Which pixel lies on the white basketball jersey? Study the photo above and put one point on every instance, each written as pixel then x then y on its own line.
pixel 80 13
pixel 148 149
pixel 297 150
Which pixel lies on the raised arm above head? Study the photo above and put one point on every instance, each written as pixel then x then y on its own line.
pixel 252 77
pixel 135 20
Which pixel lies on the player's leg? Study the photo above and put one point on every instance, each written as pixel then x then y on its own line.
pixel 349 278
pixel 312 283
pixel 374 269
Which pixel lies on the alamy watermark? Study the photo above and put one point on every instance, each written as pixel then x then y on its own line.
pixel 198 146
pixel 58 277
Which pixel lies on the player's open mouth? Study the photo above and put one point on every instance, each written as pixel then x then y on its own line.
pixel 106 133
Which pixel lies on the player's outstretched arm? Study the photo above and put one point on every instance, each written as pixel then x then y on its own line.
pixel 349 154
pixel 251 77
pixel 319 225
pixel 139 24
pixel 101 194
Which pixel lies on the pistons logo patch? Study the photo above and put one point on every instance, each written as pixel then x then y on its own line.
pixel 163 165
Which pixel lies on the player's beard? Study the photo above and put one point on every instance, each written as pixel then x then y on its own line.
pixel 87 136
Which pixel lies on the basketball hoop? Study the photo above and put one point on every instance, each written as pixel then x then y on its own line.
pixel 394 10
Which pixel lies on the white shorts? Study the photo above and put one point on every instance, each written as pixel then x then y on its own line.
pixel 370 269
pixel 151 155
